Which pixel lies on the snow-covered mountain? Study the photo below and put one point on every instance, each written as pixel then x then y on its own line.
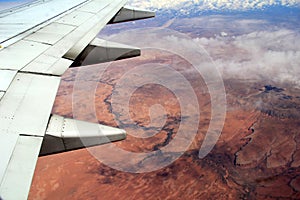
pixel 213 4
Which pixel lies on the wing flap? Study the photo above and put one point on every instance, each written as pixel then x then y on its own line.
pixel 65 134
pixel 99 51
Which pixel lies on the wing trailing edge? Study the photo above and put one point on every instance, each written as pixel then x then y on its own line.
pixel 65 134
pixel 100 51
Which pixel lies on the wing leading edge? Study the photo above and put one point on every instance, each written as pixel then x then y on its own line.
pixel 38 43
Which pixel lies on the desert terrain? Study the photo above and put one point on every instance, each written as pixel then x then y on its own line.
pixel 256 157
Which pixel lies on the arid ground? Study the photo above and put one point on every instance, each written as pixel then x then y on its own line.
pixel 256 157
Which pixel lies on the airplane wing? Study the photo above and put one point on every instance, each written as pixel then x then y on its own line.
pixel 39 41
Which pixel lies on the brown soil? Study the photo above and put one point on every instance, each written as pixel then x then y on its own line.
pixel 256 157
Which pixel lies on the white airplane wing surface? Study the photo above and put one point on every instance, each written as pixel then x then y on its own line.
pixel 39 41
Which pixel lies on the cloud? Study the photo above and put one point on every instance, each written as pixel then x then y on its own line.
pixel 246 49
pixel 268 55
pixel 215 24
pixel 212 4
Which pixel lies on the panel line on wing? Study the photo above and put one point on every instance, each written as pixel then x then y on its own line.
pixel 6 77
pixel 27 104
pixel 32 17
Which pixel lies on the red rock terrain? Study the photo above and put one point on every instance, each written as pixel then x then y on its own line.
pixel 256 157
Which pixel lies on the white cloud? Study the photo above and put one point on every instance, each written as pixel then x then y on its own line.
pixel 270 55
pixel 211 4
pixel 250 49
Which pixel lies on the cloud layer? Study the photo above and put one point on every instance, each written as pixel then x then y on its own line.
pixel 240 48
pixel 268 55
pixel 212 4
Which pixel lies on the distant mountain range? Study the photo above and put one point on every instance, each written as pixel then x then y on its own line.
pixel 284 13
pixel 235 5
